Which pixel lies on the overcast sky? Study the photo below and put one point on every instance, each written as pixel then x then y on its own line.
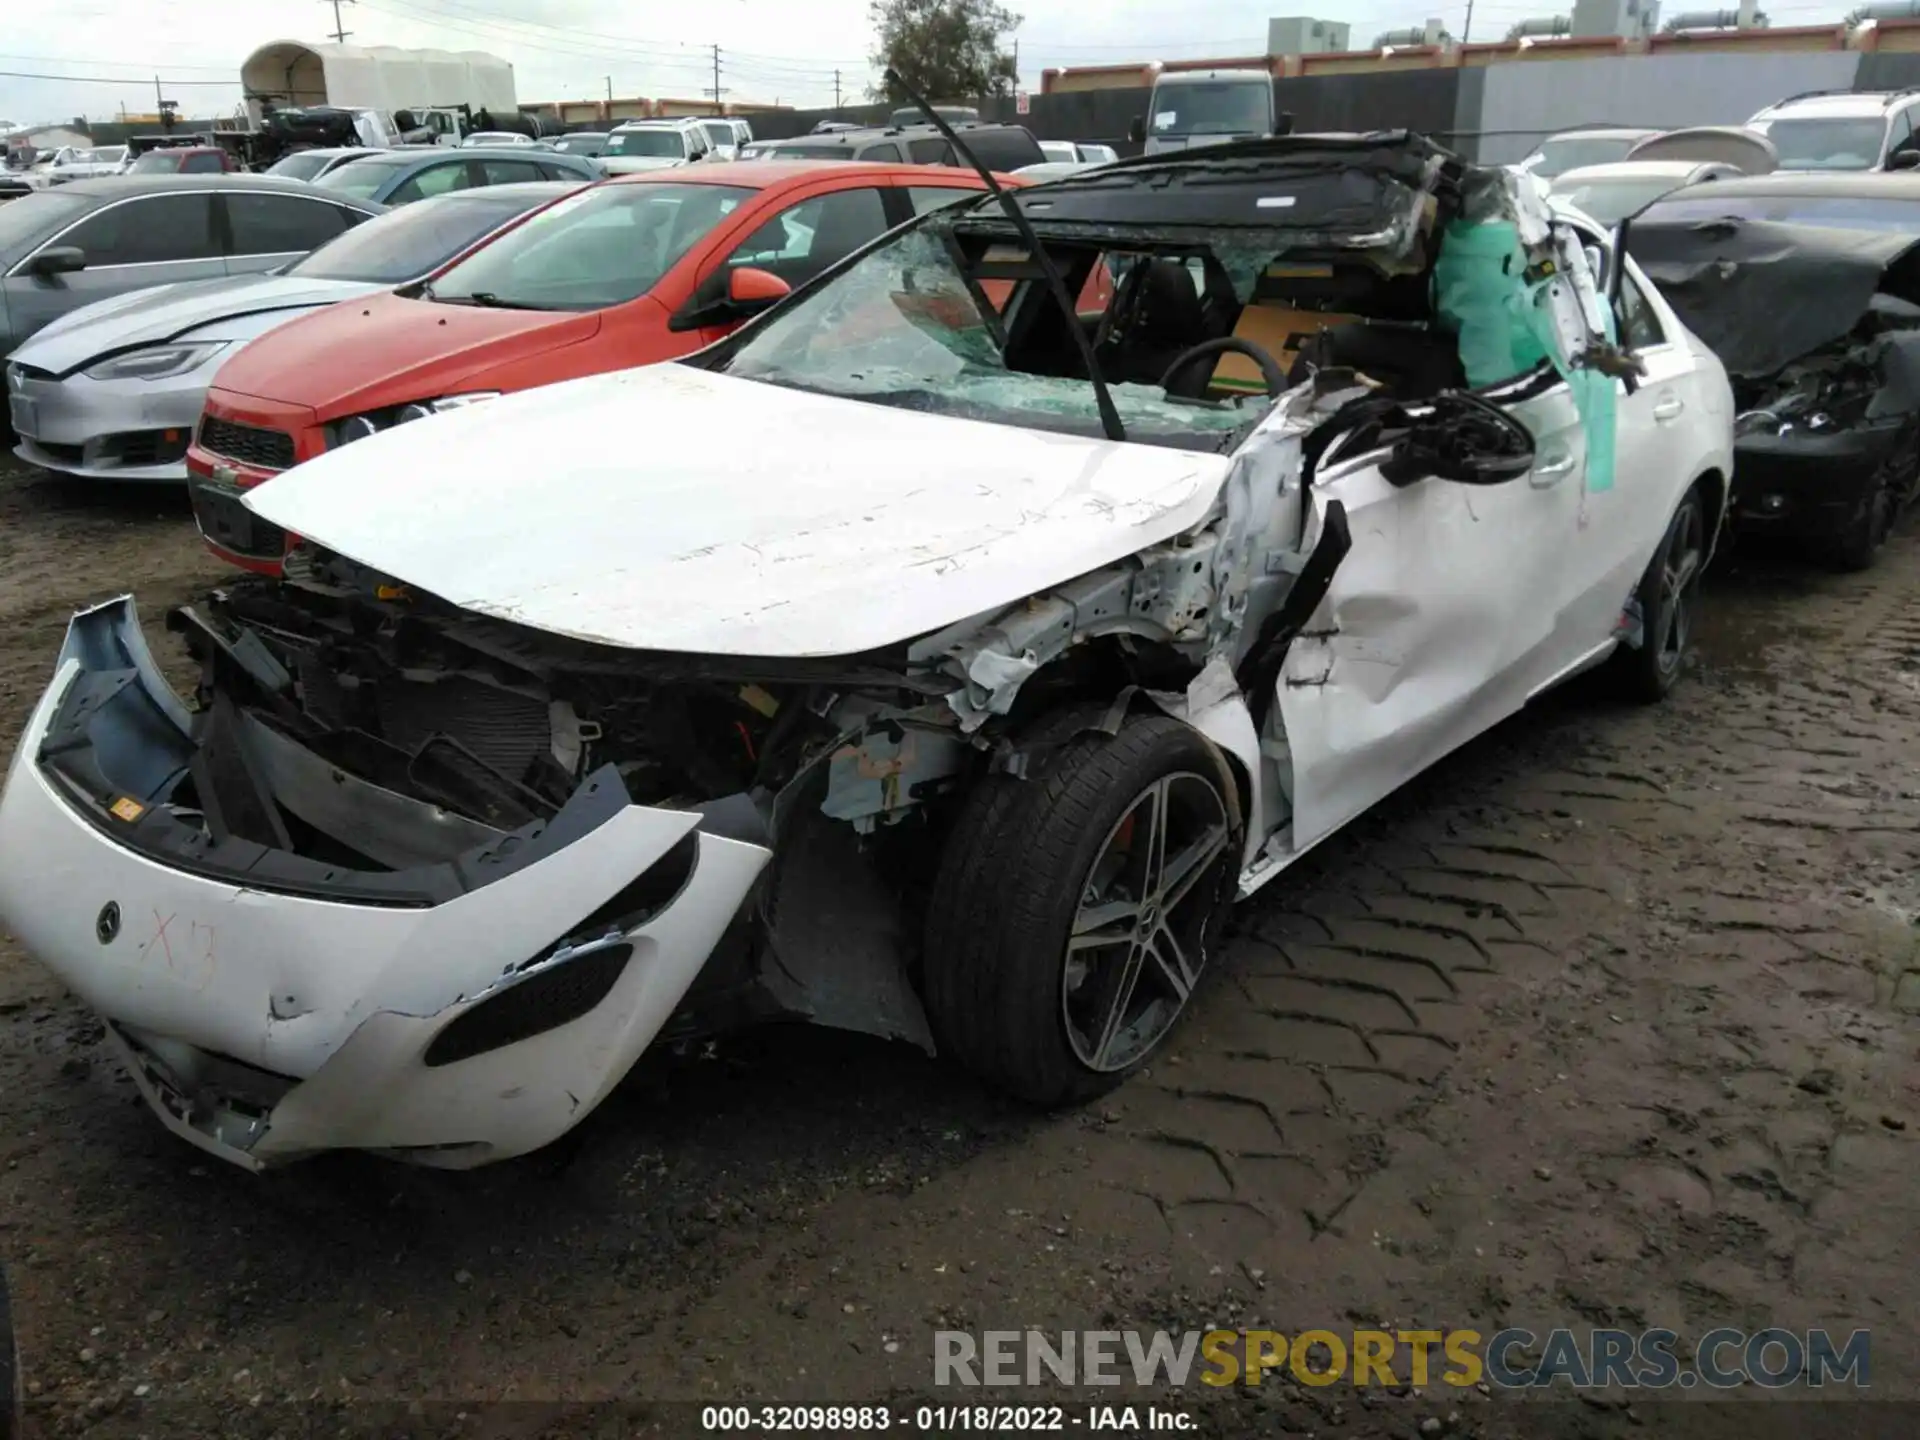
pixel 785 50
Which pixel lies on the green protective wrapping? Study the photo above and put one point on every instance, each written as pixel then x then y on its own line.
pixel 1504 327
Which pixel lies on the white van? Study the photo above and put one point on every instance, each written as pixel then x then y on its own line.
pixel 1210 107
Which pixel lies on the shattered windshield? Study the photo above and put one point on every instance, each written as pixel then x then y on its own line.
pixel 1218 107
pixel 1828 144
pixel 904 328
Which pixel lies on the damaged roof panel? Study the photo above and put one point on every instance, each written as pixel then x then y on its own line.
pixel 1333 192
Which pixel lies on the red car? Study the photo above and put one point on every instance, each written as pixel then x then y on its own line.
pixel 628 272
pixel 185 160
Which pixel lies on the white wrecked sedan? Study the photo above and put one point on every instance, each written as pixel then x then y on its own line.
pixel 924 660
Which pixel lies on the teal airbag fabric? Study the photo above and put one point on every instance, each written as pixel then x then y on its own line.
pixel 1504 327
pixel 1480 295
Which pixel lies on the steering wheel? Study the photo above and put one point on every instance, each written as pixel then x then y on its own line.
pixel 1270 371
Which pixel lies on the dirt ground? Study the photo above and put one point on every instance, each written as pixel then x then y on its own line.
pixel 1607 1020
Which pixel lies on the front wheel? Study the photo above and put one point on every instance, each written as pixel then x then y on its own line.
pixel 1668 594
pixel 1075 912
pixel 1856 547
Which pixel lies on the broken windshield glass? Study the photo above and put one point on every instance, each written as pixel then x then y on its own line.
pixel 903 327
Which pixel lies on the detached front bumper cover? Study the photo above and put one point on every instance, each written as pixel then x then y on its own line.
pixel 272 1006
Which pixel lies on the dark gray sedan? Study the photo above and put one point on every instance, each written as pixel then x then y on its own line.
pixel 413 172
pixel 93 239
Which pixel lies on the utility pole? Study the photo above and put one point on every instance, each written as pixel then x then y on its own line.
pixel 716 92
pixel 340 32
pixel 1466 30
pixel 836 92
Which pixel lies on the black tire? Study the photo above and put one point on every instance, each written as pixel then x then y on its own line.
pixel 1004 995
pixel 1855 548
pixel 1668 594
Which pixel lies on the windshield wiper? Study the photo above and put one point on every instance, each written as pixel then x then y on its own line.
pixel 1109 416
pixel 485 299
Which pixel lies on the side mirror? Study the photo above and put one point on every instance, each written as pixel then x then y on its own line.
pixel 750 288
pixel 1137 130
pixel 1464 439
pixel 58 260
pixel 1904 160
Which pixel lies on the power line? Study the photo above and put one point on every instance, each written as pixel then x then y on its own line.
pixel 566 42
pixel 405 11
pixel 93 59
pixel 141 80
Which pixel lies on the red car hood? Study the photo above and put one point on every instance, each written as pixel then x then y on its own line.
pixel 387 351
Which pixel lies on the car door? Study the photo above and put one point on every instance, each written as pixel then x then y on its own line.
pixel 130 245
pixel 265 231
pixel 795 242
pixel 1442 619
pixel 1620 525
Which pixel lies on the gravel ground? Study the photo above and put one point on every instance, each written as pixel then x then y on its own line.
pixel 1607 1020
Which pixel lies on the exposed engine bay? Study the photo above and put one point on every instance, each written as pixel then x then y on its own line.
pixel 1870 374
pixel 1820 332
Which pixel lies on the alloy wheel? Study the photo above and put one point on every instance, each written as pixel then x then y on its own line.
pixel 1138 940
pixel 1681 559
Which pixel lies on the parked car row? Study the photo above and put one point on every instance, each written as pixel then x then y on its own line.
pixel 927 653
pixel 1614 169
pixel 1825 333
pixel 113 390
pixel 631 147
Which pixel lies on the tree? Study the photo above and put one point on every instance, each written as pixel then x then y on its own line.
pixel 945 49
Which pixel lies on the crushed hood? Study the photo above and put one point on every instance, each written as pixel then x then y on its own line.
pixel 1761 293
pixel 667 508
pixel 172 312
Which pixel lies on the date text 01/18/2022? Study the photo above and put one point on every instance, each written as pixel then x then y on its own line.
pixel 936 1419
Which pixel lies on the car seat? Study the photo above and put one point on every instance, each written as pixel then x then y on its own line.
pixel 1167 319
